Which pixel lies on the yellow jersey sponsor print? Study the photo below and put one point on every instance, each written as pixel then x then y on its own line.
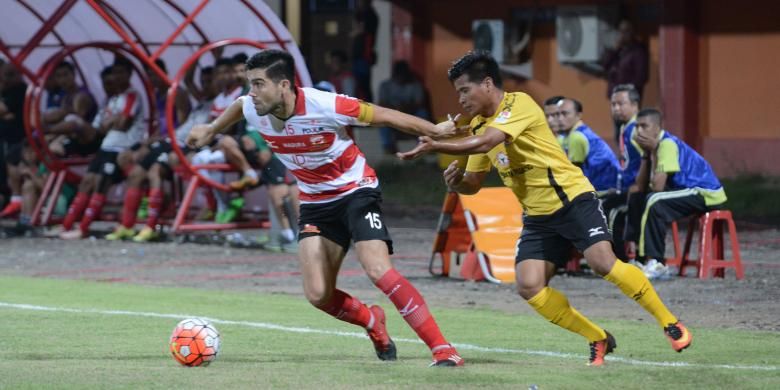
pixel 530 161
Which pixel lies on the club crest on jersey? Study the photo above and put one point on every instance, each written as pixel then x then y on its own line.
pixel 503 116
pixel 502 159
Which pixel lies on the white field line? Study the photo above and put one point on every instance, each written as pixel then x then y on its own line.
pixel 460 346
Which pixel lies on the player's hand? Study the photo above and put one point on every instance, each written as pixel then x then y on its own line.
pixel 453 175
pixel 426 145
pixel 450 128
pixel 645 142
pixel 199 136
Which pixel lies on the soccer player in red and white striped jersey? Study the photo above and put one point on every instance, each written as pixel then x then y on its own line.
pixel 339 194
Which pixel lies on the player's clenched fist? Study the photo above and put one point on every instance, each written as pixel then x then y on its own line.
pixel 199 136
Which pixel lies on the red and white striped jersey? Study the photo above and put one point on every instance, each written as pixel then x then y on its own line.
pixel 127 103
pixel 224 100
pixel 314 146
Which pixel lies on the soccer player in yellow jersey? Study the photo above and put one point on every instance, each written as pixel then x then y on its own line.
pixel 561 209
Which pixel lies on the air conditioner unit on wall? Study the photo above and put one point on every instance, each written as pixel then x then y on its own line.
pixel 582 32
pixel 489 35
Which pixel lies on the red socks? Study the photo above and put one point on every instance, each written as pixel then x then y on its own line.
pixel 93 211
pixel 155 206
pixel 348 309
pixel 74 211
pixel 412 307
pixel 130 207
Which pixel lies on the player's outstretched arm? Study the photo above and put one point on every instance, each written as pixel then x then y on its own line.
pixel 201 135
pixel 387 117
pixel 482 143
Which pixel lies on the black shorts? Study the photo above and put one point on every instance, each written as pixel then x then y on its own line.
pixel 158 153
pixel 13 153
pixel 73 147
pixel 550 237
pixel 158 150
pixel 275 173
pixel 357 217
pixel 105 163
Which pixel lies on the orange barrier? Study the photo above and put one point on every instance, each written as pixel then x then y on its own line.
pixel 479 233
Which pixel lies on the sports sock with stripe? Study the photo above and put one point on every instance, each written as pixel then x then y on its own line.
pixel 346 308
pixel 412 307
pixel 554 306
pixel 635 285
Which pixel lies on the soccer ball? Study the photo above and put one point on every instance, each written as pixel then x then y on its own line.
pixel 194 342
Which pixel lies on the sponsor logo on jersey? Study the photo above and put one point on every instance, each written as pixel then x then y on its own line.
pixel 307 228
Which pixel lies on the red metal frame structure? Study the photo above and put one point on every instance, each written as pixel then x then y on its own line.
pixel 131 43
pixel 59 167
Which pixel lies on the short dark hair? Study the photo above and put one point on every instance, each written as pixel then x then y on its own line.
pixel 239 58
pixel 207 70
pixel 577 105
pixel 553 100
pixel 278 65
pixel 106 71
pixel 633 93
pixel 66 65
pixel 476 65
pixel 223 61
pixel 654 114
pixel 122 62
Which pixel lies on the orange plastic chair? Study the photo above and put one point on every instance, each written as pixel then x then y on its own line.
pixel 493 218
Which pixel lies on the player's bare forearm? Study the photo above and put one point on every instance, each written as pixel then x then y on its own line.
pixel 470 183
pixel 469 145
pixel 643 177
pixel 228 118
pixel 386 117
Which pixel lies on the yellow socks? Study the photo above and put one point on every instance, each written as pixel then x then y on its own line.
pixel 554 306
pixel 632 282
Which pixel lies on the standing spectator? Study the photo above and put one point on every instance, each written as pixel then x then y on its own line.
pixel 340 76
pixel 402 92
pixel 363 48
pixel 626 63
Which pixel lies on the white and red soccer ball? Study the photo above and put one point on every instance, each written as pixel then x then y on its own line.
pixel 194 342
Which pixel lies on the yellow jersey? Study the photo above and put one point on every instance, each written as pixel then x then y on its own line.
pixel 530 161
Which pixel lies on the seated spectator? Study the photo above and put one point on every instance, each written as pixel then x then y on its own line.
pixel 585 148
pixel 402 92
pixel 157 166
pixel 550 108
pixel 77 105
pixel 676 181
pixel 121 120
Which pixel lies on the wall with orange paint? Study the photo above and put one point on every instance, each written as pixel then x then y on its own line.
pixel 740 59
pixel 450 37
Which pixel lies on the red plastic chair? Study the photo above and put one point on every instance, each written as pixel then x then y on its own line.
pixel 711 261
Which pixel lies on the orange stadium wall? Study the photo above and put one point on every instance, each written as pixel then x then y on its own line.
pixel 736 83
pixel 446 35
pixel 739 86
